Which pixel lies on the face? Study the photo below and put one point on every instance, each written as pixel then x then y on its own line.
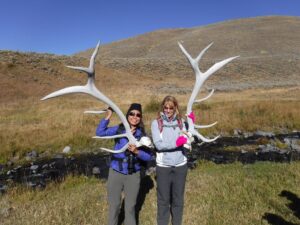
pixel 169 109
pixel 134 117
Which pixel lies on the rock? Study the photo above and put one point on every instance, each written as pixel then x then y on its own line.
pixel 52 165
pixel 283 151
pixel 34 168
pixel 264 134
pixel 96 170
pixel 237 132
pixel 44 154
pixel 36 184
pixel 31 156
pixel 267 148
pixel 292 143
pixel 247 134
pixel 45 166
pixel 3 188
pixel 9 163
pixel 67 150
pixel 58 156
pixel 295 147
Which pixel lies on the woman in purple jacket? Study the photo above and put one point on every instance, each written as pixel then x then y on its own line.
pixel 124 171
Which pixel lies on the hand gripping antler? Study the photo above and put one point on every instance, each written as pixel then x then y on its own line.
pixel 92 90
pixel 200 78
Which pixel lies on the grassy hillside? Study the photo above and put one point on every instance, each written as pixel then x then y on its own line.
pixel 269 49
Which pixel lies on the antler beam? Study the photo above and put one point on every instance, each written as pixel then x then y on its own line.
pixel 200 78
pixel 92 90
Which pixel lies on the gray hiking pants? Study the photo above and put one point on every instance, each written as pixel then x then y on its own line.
pixel 170 194
pixel 117 183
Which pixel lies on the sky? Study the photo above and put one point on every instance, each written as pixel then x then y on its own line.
pixel 65 27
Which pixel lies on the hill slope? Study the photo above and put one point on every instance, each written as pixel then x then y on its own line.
pixel 269 49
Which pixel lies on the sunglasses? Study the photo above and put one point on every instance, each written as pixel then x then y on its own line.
pixel 168 108
pixel 135 114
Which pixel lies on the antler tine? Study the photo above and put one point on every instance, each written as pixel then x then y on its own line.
pixel 205 126
pixel 91 69
pixel 207 97
pixel 191 60
pixel 109 137
pixel 201 100
pixel 92 90
pixel 93 58
pixel 194 62
pixel 202 138
pixel 202 52
pixel 200 78
pixel 219 65
pixel 95 112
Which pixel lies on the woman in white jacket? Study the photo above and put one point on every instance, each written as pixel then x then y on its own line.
pixel 171 162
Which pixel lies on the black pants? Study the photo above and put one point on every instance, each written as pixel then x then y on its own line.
pixel 170 194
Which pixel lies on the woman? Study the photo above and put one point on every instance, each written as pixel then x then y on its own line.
pixel 171 162
pixel 124 171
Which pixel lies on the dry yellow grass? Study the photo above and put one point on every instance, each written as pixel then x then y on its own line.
pixel 49 126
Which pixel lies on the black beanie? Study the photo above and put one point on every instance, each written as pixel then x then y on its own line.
pixel 134 106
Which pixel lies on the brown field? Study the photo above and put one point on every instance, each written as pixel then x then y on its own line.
pixel 49 126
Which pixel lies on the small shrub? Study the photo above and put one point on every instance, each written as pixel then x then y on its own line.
pixel 262 141
pixel 202 106
pixel 10 65
pixel 280 145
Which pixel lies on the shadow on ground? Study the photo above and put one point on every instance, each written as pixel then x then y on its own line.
pixel 294 206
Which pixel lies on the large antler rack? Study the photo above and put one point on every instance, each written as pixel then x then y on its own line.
pixel 92 90
pixel 200 78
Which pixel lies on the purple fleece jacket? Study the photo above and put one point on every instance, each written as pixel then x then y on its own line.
pixel 103 130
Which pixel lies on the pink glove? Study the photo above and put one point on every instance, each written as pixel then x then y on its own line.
pixel 181 140
pixel 192 116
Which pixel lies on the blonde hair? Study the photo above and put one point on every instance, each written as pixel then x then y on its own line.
pixel 175 103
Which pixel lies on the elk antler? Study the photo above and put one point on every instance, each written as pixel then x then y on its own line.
pixel 92 90
pixel 200 78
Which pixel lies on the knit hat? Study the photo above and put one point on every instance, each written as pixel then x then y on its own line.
pixel 134 106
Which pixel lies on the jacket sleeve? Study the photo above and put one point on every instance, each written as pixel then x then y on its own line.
pixel 159 143
pixel 144 155
pixel 103 130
